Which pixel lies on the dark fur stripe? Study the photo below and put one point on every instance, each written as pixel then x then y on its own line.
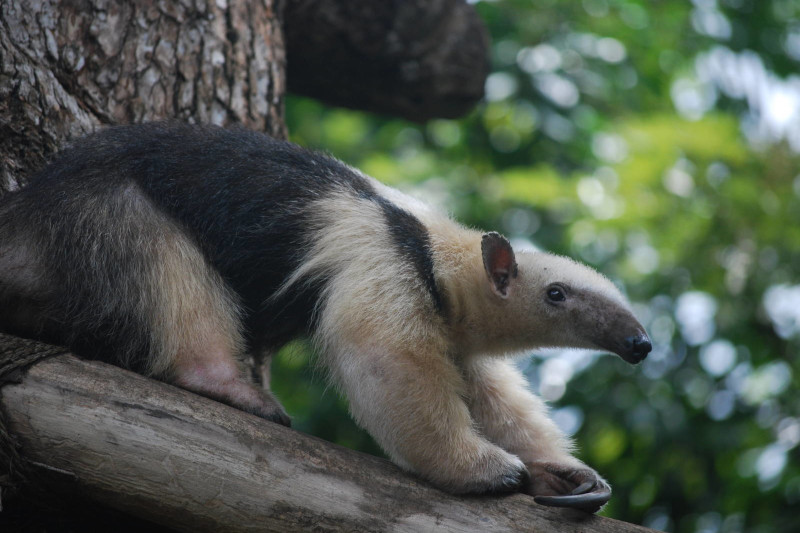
pixel 411 238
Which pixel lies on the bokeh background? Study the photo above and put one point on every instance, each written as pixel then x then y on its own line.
pixel 660 143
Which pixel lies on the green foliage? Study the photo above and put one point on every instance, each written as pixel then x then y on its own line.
pixel 603 137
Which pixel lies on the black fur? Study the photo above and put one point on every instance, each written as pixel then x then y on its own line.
pixel 413 242
pixel 240 196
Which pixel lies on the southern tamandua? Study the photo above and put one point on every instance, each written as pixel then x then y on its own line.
pixel 180 250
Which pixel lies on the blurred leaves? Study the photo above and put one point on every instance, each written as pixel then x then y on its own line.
pixel 654 141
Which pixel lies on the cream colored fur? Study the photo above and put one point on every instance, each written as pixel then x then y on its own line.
pixel 194 324
pixel 189 309
pixel 511 416
pixel 420 381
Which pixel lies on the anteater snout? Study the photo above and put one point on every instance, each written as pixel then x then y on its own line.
pixel 636 348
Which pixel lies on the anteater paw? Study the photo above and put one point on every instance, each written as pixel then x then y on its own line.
pixel 560 485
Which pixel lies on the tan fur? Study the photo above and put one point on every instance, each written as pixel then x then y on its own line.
pixel 189 309
pixel 418 382
pixel 511 416
pixel 194 319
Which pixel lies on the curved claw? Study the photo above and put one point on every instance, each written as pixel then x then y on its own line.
pixel 584 488
pixel 590 502
pixel 559 485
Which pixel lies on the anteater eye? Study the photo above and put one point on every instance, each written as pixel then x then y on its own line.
pixel 556 294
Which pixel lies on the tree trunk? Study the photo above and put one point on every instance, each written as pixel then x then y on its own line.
pixel 192 464
pixel 67 67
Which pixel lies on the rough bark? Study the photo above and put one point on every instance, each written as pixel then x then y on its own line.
pixel 193 464
pixel 67 67
pixel 418 59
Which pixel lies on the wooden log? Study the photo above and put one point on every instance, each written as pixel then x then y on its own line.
pixel 192 464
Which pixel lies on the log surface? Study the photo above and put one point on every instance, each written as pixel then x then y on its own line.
pixel 192 464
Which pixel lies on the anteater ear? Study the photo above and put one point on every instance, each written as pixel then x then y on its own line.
pixel 499 262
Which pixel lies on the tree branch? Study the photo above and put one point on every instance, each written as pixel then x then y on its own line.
pixel 418 59
pixel 189 463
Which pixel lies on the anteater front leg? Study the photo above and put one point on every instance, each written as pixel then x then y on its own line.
pixel 410 400
pixel 515 419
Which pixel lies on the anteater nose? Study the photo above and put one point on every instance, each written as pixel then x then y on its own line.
pixel 638 347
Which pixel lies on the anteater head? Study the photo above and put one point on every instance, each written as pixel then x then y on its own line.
pixel 552 301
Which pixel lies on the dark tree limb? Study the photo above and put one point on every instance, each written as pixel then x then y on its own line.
pixel 189 463
pixel 418 59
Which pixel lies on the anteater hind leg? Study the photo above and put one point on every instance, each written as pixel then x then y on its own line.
pixel 208 345
pixel 215 374
pixel 193 318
